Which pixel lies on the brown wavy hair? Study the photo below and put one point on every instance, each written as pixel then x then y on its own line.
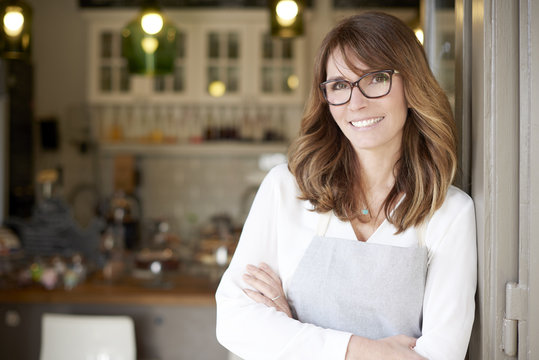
pixel 324 162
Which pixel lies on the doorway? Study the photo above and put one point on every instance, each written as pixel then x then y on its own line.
pixel 497 112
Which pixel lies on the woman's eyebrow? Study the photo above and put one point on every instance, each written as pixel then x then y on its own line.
pixel 358 74
pixel 337 77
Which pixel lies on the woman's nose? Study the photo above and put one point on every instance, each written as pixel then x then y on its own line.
pixel 357 99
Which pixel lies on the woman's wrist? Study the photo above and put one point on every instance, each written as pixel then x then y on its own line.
pixel 394 347
pixel 358 348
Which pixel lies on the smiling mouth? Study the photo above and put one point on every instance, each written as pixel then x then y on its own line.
pixel 366 123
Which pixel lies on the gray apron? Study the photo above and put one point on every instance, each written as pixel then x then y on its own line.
pixel 367 289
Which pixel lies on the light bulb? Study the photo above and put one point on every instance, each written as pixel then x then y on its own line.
pixel 13 20
pixel 293 82
pixel 149 45
pixel 286 10
pixel 217 88
pixel 151 23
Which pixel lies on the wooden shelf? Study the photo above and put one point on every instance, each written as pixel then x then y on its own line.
pixel 217 148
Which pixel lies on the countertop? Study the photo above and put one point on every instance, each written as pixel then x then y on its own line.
pixel 180 289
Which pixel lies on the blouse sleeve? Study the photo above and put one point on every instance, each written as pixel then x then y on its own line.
pixel 255 331
pixel 449 305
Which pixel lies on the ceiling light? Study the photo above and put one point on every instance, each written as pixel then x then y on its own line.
pixel 149 42
pixel 286 17
pixel 15 29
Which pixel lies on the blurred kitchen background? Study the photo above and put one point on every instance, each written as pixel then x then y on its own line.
pixel 125 187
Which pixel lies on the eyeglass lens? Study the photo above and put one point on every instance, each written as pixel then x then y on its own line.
pixel 374 85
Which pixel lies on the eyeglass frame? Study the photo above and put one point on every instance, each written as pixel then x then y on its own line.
pixel 356 84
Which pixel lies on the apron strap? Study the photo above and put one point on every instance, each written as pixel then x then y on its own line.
pixel 421 230
pixel 323 223
pixel 421 234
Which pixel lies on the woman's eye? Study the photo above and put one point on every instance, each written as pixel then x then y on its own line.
pixel 379 78
pixel 340 85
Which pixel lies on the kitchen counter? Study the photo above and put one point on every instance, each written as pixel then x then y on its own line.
pixel 176 321
pixel 178 289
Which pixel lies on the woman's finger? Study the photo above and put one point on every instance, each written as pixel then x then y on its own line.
pixel 284 308
pixel 273 287
pixel 400 345
pixel 270 291
pixel 266 268
pixel 259 298
pixel 261 286
pixel 260 274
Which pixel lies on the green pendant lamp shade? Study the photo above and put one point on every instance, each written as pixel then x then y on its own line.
pixel 286 18
pixel 15 29
pixel 149 43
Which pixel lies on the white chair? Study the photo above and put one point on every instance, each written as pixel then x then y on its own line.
pixel 87 337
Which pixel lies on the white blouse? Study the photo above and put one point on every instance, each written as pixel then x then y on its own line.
pixel 279 229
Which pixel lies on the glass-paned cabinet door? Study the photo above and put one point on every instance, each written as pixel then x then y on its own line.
pixel 278 72
pixel 223 56
pixel 113 76
pixel 109 77
pixel 176 82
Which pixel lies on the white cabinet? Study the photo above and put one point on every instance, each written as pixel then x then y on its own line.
pixel 263 78
pixel 229 46
pixel 198 153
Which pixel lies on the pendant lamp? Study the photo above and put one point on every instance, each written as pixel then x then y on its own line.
pixel 286 18
pixel 149 42
pixel 15 30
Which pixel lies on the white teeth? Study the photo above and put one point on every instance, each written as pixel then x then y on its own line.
pixel 365 123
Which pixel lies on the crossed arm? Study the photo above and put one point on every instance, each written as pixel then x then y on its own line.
pixel 269 291
pixel 252 326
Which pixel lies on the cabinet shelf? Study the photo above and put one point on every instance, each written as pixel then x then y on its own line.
pixel 213 149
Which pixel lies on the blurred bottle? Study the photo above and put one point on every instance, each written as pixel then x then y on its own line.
pixel 116 128
pixel 196 130
pixel 212 129
pixel 156 134
pixel 123 218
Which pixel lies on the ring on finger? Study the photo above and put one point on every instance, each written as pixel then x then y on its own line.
pixel 275 298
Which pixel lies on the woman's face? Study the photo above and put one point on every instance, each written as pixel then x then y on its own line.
pixel 369 124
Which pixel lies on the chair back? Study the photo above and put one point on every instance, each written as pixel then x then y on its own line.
pixel 87 337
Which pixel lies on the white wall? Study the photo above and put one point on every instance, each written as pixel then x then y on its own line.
pixel 59 54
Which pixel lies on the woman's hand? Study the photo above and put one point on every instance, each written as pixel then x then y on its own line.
pixel 399 347
pixel 270 288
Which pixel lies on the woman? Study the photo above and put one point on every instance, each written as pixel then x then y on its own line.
pixel 360 248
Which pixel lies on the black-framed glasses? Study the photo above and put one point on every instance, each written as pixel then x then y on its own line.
pixel 372 85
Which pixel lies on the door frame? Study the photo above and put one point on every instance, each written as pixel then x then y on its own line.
pixel 494 164
pixel 528 276
pixel 504 139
